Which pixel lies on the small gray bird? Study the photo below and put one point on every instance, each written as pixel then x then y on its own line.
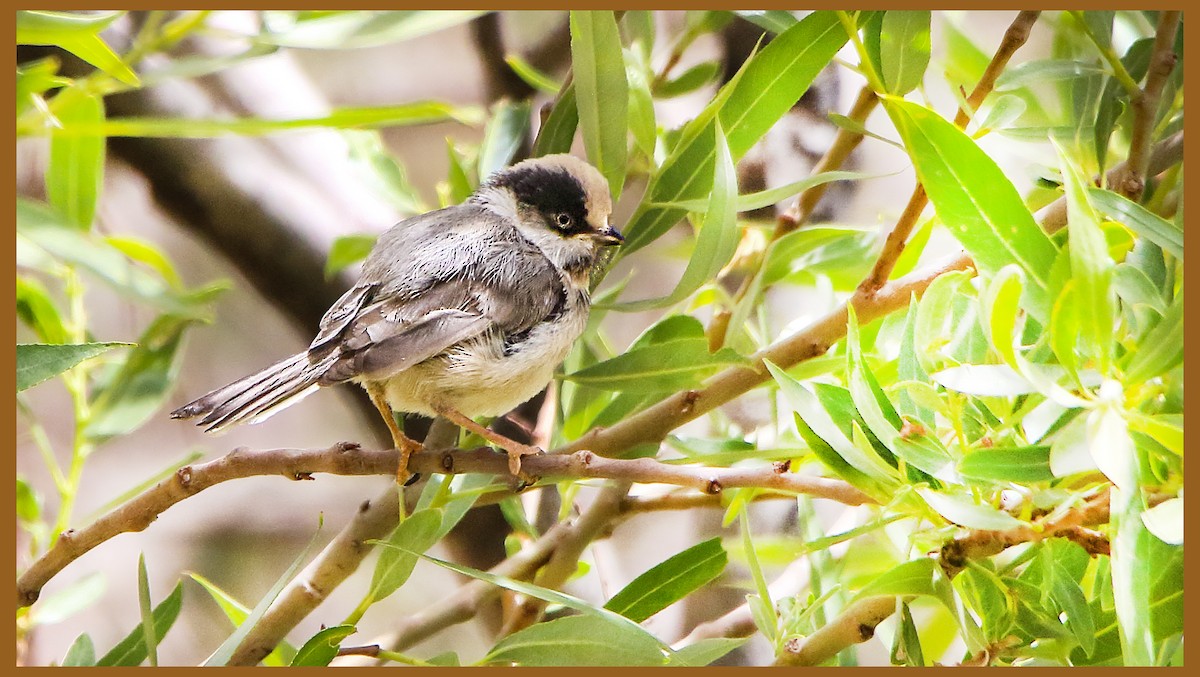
pixel 461 312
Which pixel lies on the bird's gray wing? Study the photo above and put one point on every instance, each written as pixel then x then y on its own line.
pixel 426 289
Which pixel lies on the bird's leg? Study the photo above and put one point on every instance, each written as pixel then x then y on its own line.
pixel 403 443
pixel 515 450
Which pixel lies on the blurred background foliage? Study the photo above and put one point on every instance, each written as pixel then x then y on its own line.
pixel 195 188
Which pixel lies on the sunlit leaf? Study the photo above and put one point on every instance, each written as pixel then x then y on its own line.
pixel 670 581
pixel 37 362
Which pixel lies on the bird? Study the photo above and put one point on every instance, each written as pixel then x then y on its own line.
pixel 461 312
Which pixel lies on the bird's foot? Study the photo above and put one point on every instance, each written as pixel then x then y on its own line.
pixel 515 454
pixel 407 447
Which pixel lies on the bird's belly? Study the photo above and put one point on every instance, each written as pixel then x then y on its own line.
pixel 478 379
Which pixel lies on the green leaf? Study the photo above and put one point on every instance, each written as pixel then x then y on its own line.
pixel 78 34
pixel 358 29
pixel 132 649
pixel 145 252
pixel 557 133
pixel 966 512
pixel 376 166
pixel 531 75
pixel 576 641
pixel 705 651
pixel 37 310
pixel 69 601
pixel 346 251
pixel 1165 521
pixel 980 207
pixel 75 171
pixel 547 595
pixel 904 46
pixel 503 136
pixel 1132 581
pixel 237 613
pixel 369 117
pixel 1065 590
pixel 416 534
pixel 642 121
pixel 765 88
pixel 718 237
pixel 143 381
pixel 1139 219
pixel 1091 267
pixel 689 81
pixel 323 647
pixel 1114 98
pixel 1001 309
pixel 916 577
pixel 39 226
pixel 773 20
pixel 1000 380
pixel 81 653
pixel 148 633
pixel 674 365
pixel 37 362
pixel 601 93
pixel 224 652
pixel 765 198
pixel 1020 465
pixel 35 78
pixel 906 647
pixel 1162 349
pixel 29 504
pixel 1042 71
pixel 670 581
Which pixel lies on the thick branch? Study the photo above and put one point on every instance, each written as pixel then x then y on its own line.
pixel 349 459
pixel 1145 106
pixel 856 624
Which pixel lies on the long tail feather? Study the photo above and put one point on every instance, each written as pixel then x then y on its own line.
pixel 257 396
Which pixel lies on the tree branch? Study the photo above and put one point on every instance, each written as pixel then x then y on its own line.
pixel 349 459
pixel 856 624
pixel 1132 182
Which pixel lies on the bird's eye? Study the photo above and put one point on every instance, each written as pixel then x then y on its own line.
pixel 563 220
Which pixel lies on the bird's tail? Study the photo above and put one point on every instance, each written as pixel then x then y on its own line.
pixel 258 396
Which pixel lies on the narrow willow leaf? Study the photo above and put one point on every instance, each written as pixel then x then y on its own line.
pixel 132 649
pixel 669 366
pixel 1114 98
pixel 78 34
pixel 237 612
pixel 558 131
pixel 1001 308
pixel 1166 429
pixel 1109 443
pixel 705 651
pixel 643 123
pixel 966 512
pixel 765 88
pixel 774 20
pixel 689 81
pixel 906 647
pixel 531 75
pixel 323 647
pixel 601 93
pixel 1162 350
pixel 1042 71
pixel 503 137
pixel 416 113
pixel 916 577
pixel 1008 464
pixel 670 581
pixel 224 652
pixel 142 383
pixel 765 198
pixel 148 633
pixel 81 653
pixel 416 534
pixel 1091 267
pixel 1132 580
pixel 75 170
pixel 1141 220
pixel 355 30
pixel 548 595
pixel 904 46
pixel 576 641
pixel 980 207
pixel 38 311
pixel 37 362
pixel 718 237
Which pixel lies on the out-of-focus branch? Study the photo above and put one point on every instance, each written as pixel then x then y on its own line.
pixel 1132 181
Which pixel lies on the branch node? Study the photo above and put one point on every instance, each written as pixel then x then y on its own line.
pixel 184 475
pixel 448 462
pixel 347 446
pixel 689 401
pixel 302 475
pixel 865 631
pixel 66 537
pixel 365 506
pixel 781 467
pixel 713 487
pixel 586 457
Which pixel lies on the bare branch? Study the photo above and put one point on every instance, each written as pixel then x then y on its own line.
pixel 853 626
pixel 1132 182
pixel 1014 37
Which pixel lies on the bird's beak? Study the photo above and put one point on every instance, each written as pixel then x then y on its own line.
pixel 608 236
